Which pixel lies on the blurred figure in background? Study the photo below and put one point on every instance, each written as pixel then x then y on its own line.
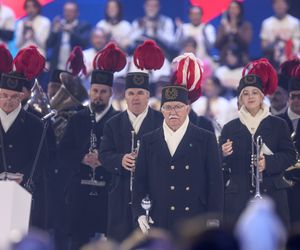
pixel 212 105
pixel 66 33
pixel 204 34
pixel 7 24
pixel 115 25
pixel 99 38
pixel 154 26
pixel 280 34
pixel 34 28
pixel 234 32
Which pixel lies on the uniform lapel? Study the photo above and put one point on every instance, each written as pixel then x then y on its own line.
pixel 16 124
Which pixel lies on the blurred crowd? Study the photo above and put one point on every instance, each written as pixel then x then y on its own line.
pixel 279 34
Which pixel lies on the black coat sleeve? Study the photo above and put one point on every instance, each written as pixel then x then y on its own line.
pixel 109 156
pixel 285 155
pixel 6 35
pixel 215 193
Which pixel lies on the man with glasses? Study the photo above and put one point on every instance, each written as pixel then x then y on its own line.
pixel 178 167
pixel 291 116
pixel 120 138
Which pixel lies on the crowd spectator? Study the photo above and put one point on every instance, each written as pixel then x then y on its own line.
pixel 204 34
pixel 7 24
pixel 34 28
pixel 66 33
pixel 280 34
pixel 234 33
pixel 154 26
pixel 114 24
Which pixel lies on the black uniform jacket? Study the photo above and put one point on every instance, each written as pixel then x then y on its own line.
pixel 238 190
pixel 294 191
pixel 115 144
pixel 188 184
pixel 20 148
pixel 86 212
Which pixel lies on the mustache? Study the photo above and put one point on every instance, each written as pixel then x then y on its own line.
pixel 173 116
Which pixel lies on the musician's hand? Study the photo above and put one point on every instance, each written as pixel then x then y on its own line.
pixel 92 160
pixel 143 224
pixel 261 163
pixel 128 162
pixel 227 148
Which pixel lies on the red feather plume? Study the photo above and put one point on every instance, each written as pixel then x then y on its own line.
pixel 266 72
pixel 75 62
pixel 288 67
pixel 29 62
pixel 148 56
pixel 6 60
pixel 111 58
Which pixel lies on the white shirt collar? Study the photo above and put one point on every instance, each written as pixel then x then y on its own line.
pixel 173 138
pixel 8 119
pixel 136 121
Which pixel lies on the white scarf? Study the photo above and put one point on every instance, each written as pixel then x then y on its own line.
pixel 136 121
pixel 8 119
pixel 173 138
pixel 252 122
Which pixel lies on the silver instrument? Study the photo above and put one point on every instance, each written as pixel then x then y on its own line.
pixel 257 177
pixel 146 204
pixel 70 96
pixel 92 149
pixel 134 152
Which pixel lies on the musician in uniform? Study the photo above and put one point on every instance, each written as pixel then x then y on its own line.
pixel 240 135
pixel 21 132
pixel 87 180
pixel 291 116
pixel 178 167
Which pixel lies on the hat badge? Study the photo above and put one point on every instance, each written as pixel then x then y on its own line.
pixel 171 93
pixel 138 79
pixel 250 79
pixel 12 83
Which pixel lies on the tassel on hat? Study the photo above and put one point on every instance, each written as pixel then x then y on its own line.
pixel 107 61
pixel 260 74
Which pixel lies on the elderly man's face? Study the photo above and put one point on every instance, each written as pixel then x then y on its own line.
pixel 10 100
pixel 137 100
pixel 175 114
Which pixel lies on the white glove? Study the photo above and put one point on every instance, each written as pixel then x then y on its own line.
pixel 144 226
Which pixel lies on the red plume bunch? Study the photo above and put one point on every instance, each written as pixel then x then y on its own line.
pixel 111 58
pixel 75 62
pixel 289 67
pixel 29 62
pixel 6 63
pixel 189 74
pixel 265 71
pixel 148 56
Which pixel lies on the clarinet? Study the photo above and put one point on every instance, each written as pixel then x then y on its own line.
pixel 134 152
pixel 256 177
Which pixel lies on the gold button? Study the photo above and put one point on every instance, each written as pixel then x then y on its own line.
pixel 172 188
pixel 187 188
pixel 172 208
pixel 187 167
pixel 172 167
pixel 10 146
pixel 187 209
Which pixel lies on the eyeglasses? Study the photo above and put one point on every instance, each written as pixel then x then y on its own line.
pixel 176 108
pixel 295 96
